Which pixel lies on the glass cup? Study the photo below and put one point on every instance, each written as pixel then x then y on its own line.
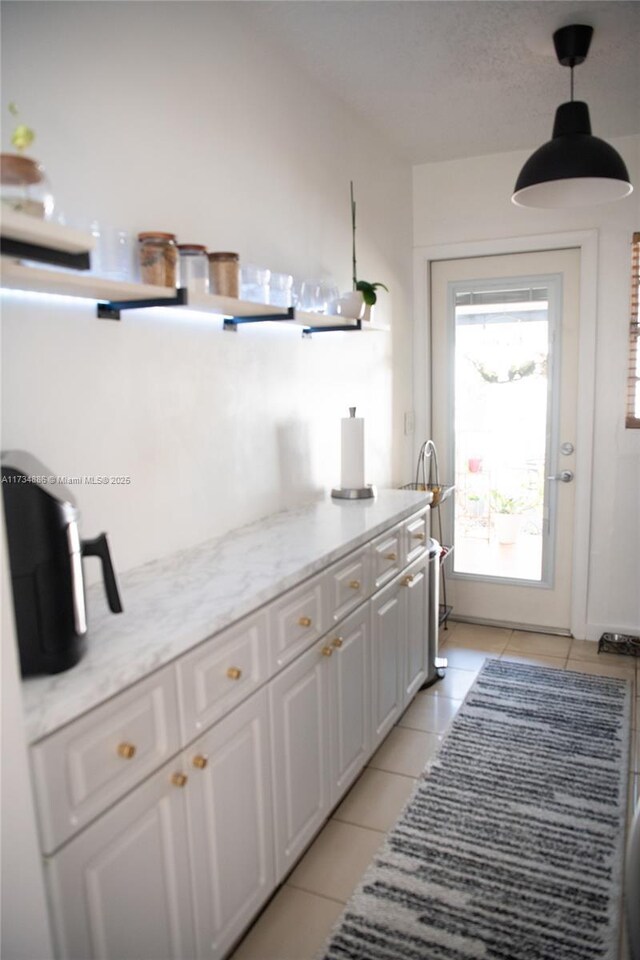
pixel 254 283
pixel 318 296
pixel 281 290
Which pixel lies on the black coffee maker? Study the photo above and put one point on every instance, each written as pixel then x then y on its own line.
pixel 45 556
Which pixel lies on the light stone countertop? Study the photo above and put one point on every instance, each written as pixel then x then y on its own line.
pixel 172 604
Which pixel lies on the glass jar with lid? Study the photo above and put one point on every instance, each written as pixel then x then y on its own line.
pixel 24 186
pixel 158 254
pixel 224 274
pixel 194 267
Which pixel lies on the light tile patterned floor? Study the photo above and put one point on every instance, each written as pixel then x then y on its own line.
pixel 298 919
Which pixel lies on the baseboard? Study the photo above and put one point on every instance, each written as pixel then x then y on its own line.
pixel 529 627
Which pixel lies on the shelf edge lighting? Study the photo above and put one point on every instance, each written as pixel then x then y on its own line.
pixel 574 168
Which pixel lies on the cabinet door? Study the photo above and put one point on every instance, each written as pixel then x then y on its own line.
pixel 350 699
pixel 121 889
pixel 416 600
pixel 230 824
pixel 298 702
pixel 387 631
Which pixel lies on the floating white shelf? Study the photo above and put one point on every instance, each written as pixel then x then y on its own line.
pixel 44 233
pixel 16 276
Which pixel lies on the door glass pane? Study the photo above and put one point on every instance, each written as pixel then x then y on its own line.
pixel 501 430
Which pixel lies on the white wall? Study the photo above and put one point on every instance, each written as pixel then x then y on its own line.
pixel 176 116
pixel 469 200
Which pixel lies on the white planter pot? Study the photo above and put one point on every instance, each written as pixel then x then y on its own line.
pixel 507 527
pixel 350 305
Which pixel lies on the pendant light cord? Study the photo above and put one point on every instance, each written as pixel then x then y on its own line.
pixel 572 83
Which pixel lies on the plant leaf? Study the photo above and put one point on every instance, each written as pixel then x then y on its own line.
pixel 22 137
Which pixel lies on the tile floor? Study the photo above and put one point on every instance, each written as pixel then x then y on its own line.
pixel 298 919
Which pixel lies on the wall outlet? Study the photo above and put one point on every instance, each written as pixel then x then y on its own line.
pixel 409 423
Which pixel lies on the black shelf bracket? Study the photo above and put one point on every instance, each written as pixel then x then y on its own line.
pixel 338 327
pixel 112 309
pixel 232 323
pixel 40 254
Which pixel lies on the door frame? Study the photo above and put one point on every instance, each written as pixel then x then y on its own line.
pixel 586 241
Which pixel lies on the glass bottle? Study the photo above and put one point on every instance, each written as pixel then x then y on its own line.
pixel 194 267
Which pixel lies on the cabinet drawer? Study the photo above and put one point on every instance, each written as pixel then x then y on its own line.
pixel 347 585
pixel 416 533
pixel 87 766
pixel 296 620
pixel 221 673
pixel 386 556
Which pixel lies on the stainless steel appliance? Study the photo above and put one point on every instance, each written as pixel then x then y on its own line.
pixel 45 556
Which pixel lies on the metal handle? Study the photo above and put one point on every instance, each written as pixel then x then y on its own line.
pixel 179 779
pixel 126 750
pixel 418 536
pixel 565 477
pixel 391 556
pixel 354 584
pixel 327 651
pixel 234 673
pixel 200 761
pixel 408 580
pixel 337 642
pixel 305 621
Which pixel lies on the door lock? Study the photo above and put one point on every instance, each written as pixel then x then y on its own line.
pixel 566 476
pixel 567 448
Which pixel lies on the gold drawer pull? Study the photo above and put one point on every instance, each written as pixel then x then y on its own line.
pixel 179 779
pixel 234 673
pixel 408 580
pixel 391 556
pixel 126 751
pixel 354 584
pixel 305 621
pixel 327 651
pixel 337 642
pixel 418 536
pixel 199 761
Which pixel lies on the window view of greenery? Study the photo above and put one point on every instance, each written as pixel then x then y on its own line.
pixel 501 413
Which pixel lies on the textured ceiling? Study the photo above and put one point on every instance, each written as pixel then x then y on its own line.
pixel 442 79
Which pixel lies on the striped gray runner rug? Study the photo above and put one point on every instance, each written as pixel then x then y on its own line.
pixel 511 845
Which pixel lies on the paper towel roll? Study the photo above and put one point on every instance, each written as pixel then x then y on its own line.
pixel 352 452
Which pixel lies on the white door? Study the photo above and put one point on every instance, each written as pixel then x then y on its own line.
pixel 230 815
pixel 121 889
pixel 387 624
pixel 299 706
pixel 504 397
pixel 350 699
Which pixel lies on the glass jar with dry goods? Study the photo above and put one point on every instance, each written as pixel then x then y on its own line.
pixel 224 274
pixel 158 259
pixel 194 267
pixel 24 186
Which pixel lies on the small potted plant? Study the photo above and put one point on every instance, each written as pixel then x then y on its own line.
pixel 23 182
pixel 360 300
pixel 507 517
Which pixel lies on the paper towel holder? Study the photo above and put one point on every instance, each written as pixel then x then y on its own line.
pixel 354 493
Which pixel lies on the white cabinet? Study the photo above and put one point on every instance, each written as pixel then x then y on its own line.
pixel 399 624
pixel 299 705
pixel 387 676
pixel 268 724
pixel 350 700
pixel 230 816
pixel 121 889
pixel 415 586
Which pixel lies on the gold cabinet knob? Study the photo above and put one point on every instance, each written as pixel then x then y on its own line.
pixel 408 580
pixel 327 651
pixel 199 761
pixel 354 584
pixel 391 556
pixel 305 621
pixel 418 536
pixel 126 751
pixel 234 673
pixel 337 642
pixel 179 779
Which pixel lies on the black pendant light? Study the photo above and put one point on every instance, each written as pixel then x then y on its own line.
pixel 574 169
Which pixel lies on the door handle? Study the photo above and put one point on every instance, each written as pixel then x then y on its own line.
pixel 566 476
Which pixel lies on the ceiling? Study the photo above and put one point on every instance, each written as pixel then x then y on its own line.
pixel 442 79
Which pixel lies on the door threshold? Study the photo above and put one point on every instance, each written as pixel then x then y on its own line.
pixel 528 627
